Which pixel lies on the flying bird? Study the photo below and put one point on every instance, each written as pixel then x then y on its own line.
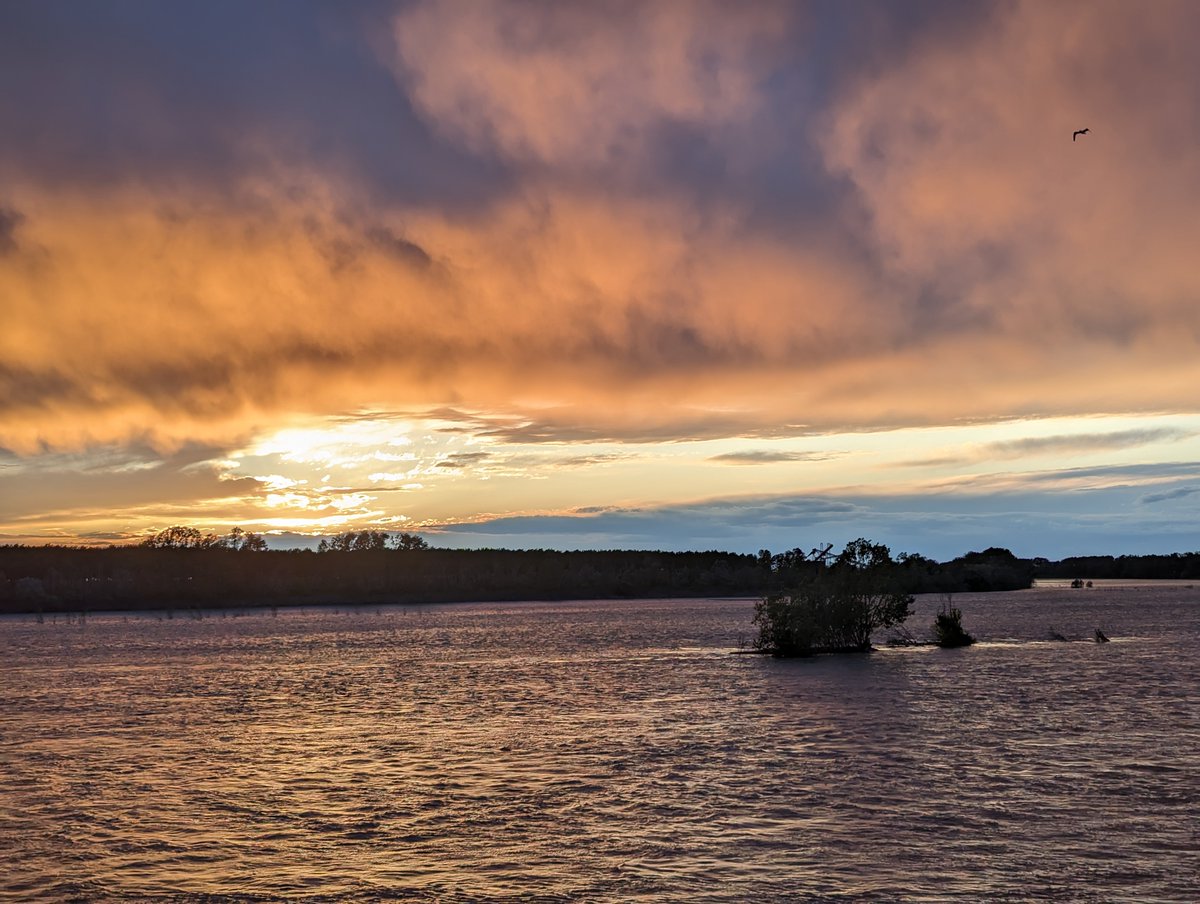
pixel 1079 132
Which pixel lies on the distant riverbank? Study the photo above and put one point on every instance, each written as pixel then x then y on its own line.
pixel 69 579
pixel 72 579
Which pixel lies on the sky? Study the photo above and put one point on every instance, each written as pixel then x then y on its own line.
pixel 667 275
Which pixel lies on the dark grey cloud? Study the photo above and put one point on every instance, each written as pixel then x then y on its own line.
pixel 1065 444
pixel 345 250
pixel 9 221
pixel 95 483
pixel 715 524
pixel 1156 470
pixel 462 460
pixel 1088 442
pixel 1101 482
pixel 542 462
pixel 766 457
pixel 586 461
pixel 838 43
pixel 1037 522
pixel 569 426
pixel 1177 493
pixel 212 382
pixel 400 248
pixel 28 387
pixel 148 91
pixel 130 456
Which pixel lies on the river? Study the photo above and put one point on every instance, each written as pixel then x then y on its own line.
pixel 602 751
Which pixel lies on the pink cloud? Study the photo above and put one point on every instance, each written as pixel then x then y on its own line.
pixel 581 84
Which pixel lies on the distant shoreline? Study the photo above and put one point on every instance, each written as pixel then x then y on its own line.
pixel 136 578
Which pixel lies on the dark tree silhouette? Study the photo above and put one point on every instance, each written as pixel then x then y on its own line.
pixel 355 541
pixel 184 567
pixel 245 541
pixel 838 605
pixel 407 541
pixel 180 537
pixel 947 628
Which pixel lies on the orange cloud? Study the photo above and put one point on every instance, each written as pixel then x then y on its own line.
pixel 180 319
pixel 985 267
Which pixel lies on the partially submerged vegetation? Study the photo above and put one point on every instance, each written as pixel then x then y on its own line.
pixel 839 605
pixel 843 600
pixel 947 628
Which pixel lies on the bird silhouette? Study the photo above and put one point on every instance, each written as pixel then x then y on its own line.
pixel 1079 132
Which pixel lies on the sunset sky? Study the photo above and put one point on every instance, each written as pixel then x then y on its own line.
pixel 597 275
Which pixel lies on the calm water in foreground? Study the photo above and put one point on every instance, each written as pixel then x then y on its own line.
pixel 601 751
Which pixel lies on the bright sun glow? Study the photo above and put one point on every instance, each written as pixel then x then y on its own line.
pixel 330 471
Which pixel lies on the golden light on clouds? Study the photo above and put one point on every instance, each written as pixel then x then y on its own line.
pixel 553 259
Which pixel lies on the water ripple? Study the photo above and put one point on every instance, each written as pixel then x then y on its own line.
pixel 601 751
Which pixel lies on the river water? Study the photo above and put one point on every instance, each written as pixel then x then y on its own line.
pixel 602 751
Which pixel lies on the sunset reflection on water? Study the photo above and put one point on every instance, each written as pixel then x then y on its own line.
pixel 603 750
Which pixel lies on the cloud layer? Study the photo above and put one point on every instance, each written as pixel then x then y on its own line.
pixel 565 222
pixel 958 233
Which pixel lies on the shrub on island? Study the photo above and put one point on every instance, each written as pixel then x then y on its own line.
pixel 948 630
pixel 837 605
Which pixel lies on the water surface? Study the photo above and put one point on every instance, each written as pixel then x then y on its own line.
pixel 601 751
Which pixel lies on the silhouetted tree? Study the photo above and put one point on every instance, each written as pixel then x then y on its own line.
pixel 245 541
pixel 180 537
pixel 838 606
pixel 354 541
pixel 408 541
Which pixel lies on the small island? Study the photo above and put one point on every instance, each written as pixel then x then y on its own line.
pixel 842 600
pixel 837 605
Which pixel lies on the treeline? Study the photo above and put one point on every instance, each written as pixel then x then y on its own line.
pixel 1173 566
pixel 976 572
pixel 58 578
pixel 186 569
